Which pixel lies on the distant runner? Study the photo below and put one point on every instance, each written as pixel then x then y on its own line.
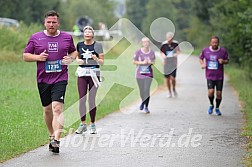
pixel 170 51
pixel 144 58
pixel 213 59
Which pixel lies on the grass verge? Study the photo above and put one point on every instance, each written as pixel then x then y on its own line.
pixel 240 81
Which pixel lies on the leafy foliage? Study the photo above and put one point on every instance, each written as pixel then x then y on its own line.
pixel 136 11
pixel 98 11
pixel 32 11
pixel 29 11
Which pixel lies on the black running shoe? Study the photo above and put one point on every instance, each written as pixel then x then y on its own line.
pixel 55 145
pixel 50 145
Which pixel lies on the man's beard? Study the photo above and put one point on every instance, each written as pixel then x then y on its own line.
pixel 214 47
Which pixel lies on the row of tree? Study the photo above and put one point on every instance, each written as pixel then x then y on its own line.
pixel 32 11
pixel 28 11
pixel 195 20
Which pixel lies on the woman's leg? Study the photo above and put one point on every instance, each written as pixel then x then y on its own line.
pixel 82 89
pixel 140 83
pixel 147 84
pixel 91 99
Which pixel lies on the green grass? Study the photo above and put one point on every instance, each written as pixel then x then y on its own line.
pixel 20 110
pixel 13 41
pixel 196 51
pixel 239 79
pixel 22 125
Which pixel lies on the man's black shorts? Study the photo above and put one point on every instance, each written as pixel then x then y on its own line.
pixel 173 73
pixel 170 67
pixel 52 92
pixel 211 84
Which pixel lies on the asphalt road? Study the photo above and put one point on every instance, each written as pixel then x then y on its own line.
pixel 178 132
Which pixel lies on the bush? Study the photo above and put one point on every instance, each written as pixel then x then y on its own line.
pixel 13 41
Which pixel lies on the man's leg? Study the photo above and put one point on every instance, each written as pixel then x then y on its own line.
pixel 211 96
pixel 218 98
pixel 48 117
pixel 211 86
pixel 45 97
pixel 173 80
pixel 58 119
pixel 211 99
pixel 218 101
pixel 58 96
pixel 168 83
pixel 219 86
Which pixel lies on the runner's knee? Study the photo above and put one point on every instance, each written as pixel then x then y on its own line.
pixel 210 92
pixel 48 109
pixel 219 94
pixel 57 108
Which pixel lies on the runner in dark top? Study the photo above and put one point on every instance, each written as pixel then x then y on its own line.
pixel 90 58
pixel 169 51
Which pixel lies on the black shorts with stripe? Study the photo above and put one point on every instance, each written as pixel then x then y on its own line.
pixel 52 92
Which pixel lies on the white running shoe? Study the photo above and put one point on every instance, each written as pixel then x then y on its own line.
pixel 175 93
pixel 169 95
pixel 93 129
pixel 81 129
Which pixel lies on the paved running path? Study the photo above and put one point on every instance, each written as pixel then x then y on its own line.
pixel 177 133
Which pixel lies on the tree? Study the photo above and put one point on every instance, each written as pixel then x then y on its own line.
pixel 201 9
pixel 136 12
pixel 245 29
pixel 157 9
pixel 224 21
pixel 98 11
pixel 183 16
pixel 29 11
pixel 39 7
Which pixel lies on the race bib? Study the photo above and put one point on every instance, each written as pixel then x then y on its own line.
pixel 170 53
pixel 85 71
pixel 212 65
pixel 89 70
pixel 53 66
pixel 145 70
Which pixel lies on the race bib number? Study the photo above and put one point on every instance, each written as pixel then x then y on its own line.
pixel 170 53
pixel 88 71
pixel 53 66
pixel 212 65
pixel 85 71
pixel 145 70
